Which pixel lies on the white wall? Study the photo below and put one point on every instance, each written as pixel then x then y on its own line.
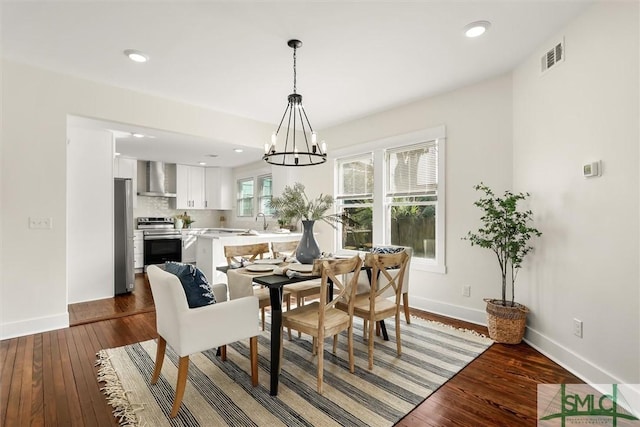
pixel 90 273
pixel 478 124
pixel 586 264
pixel 35 105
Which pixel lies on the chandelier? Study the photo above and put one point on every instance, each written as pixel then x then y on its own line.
pixel 298 150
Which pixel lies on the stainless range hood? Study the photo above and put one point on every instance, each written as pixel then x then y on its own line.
pixel 155 181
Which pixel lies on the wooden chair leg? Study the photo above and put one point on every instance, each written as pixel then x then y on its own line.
pixel 253 349
pixel 365 329
pixel 288 308
pixel 405 304
pixel 314 346
pixel 335 343
pixel 162 345
pixel 398 340
pixel 263 318
pixel 281 352
pixel 352 363
pixel 320 361
pixel 299 303
pixel 371 326
pixel 223 352
pixel 183 370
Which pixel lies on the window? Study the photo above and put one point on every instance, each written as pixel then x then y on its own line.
pixel 411 196
pixel 254 193
pixel 394 189
pixel 265 192
pixel 355 198
pixel 245 197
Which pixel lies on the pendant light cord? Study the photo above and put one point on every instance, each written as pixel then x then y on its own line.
pixel 294 69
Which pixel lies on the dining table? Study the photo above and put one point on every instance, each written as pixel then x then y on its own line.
pixel 276 283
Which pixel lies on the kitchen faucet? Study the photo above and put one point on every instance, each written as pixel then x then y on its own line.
pixel 264 219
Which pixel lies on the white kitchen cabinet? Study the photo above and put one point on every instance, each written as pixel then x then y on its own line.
pixel 190 187
pixel 138 250
pixel 189 240
pixel 124 167
pixel 219 188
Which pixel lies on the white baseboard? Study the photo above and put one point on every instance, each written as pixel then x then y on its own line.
pixel 586 370
pixel 34 326
pixel 471 315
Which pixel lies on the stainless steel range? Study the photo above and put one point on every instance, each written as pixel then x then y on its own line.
pixel 161 241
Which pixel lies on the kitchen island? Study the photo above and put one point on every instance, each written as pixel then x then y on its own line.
pixel 210 247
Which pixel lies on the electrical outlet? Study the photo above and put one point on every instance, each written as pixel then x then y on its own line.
pixel 577 328
pixel 41 223
pixel 466 291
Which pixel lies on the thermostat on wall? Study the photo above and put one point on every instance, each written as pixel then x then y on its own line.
pixel 591 169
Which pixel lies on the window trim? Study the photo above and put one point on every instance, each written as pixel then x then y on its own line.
pixel 255 205
pixel 378 148
pixel 253 197
pixel 259 193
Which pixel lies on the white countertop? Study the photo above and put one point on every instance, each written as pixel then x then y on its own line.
pixel 214 234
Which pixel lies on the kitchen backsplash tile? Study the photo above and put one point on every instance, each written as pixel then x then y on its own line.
pixel 161 206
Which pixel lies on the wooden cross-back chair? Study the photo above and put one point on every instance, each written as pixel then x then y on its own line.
pixel 235 254
pixel 284 249
pixel 383 299
pixel 321 318
pixel 301 290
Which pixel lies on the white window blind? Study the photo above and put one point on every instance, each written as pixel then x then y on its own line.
pixel 355 177
pixel 412 170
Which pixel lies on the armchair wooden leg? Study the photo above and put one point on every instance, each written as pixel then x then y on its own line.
pixel 405 304
pixel 183 370
pixel 223 352
pixel 253 348
pixel 162 345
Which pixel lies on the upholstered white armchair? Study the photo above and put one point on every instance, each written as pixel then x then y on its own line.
pixel 192 330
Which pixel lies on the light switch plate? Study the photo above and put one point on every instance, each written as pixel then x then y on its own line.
pixel 41 223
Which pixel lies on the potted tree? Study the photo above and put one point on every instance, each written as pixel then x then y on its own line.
pixel 506 231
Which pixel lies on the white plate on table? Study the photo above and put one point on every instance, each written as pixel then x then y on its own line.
pixel 301 268
pixel 260 267
pixel 268 261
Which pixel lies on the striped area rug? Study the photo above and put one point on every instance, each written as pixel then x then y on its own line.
pixel 219 394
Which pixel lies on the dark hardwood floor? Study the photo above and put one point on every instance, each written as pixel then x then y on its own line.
pixel 49 379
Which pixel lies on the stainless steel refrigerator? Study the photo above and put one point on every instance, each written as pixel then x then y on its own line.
pixel 124 273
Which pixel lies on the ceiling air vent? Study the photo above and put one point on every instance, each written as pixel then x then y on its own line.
pixel 553 56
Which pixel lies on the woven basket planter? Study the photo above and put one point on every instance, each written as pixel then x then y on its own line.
pixel 506 323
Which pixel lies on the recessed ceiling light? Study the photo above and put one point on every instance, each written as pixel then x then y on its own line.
pixel 136 55
pixel 137 135
pixel 202 163
pixel 476 29
pixel 238 150
pixel 212 155
pixel 116 154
